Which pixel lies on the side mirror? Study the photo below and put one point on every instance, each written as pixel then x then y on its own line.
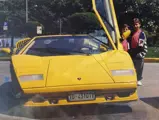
pixel 6 50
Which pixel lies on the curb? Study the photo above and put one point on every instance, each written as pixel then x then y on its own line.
pixel 151 60
pixel 4 58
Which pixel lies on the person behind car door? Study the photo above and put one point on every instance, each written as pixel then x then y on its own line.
pixel 124 41
pixel 138 49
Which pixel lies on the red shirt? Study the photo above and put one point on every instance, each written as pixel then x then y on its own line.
pixel 135 39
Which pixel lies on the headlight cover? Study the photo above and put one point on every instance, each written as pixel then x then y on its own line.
pixel 31 77
pixel 128 72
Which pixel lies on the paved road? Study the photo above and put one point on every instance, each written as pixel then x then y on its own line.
pixel 147 108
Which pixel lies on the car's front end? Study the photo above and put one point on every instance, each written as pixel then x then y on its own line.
pixel 75 79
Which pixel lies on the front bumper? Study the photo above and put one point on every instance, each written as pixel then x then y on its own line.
pixel 61 92
pixel 99 100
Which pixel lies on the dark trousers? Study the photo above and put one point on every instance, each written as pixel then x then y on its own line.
pixel 139 65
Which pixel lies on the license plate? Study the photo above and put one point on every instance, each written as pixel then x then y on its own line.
pixel 86 96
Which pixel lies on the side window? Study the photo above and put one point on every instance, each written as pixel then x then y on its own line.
pixel 103 7
pixel 20 45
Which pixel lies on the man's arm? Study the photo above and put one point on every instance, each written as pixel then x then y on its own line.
pixel 142 45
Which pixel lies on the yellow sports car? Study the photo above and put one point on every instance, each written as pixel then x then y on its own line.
pixel 71 69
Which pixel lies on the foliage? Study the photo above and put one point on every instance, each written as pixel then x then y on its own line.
pixel 31 28
pixel 146 10
pixel 49 12
pixel 153 52
pixel 86 22
pixel 2 19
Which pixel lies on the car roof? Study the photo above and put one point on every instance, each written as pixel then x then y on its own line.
pixel 67 35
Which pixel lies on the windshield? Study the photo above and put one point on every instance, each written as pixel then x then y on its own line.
pixel 67 45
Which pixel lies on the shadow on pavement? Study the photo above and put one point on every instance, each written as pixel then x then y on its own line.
pixel 9 105
pixel 13 107
pixel 86 110
pixel 153 101
pixel 74 111
pixel 68 111
pixel 6 100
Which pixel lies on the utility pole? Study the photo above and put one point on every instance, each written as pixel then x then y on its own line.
pixel 60 26
pixel 26 11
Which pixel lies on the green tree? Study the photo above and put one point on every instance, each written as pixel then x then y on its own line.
pixel 2 19
pixel 47 12
pixel 146 10
pixel 83 22
pixel 31 28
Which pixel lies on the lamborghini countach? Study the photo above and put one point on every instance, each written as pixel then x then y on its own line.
pixel 87 68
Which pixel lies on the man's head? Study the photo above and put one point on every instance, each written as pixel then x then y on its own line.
pixel 137 23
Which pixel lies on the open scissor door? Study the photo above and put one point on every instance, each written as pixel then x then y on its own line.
pixel 104 10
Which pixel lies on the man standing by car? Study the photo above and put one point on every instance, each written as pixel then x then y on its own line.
pixel 138 49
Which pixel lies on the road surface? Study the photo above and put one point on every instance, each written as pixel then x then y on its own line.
pixel 146 108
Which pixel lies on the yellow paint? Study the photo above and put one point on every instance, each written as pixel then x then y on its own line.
pixel 88 87
pixel 115 22
pixel 119 45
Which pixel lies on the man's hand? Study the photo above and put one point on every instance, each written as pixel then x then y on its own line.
pixel 139 55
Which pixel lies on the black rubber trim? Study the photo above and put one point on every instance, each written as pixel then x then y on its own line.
pixel 15 86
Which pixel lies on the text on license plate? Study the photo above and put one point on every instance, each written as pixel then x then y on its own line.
pixel 81 97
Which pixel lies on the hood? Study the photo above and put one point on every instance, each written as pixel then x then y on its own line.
pixel 60 70
pixel 76 70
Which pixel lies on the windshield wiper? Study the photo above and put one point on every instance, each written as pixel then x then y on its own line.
pixel 97 39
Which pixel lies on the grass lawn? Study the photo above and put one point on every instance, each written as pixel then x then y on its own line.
pixel 153 52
